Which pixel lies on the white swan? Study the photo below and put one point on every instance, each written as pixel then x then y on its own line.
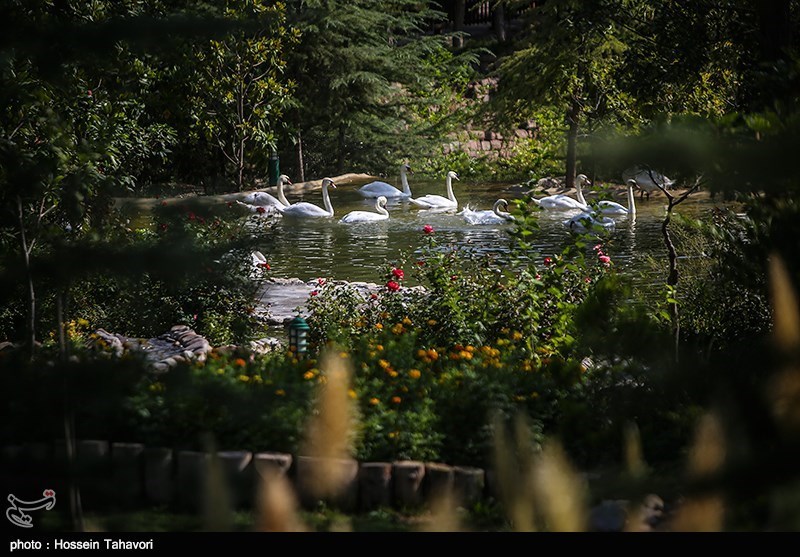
pixel 645 182
pixel 562 202
pixel 614 208
pixel 589 222
pixel 437 201
pixel 263 199
pixel 495 216
pixel 309 210
pixel 366 216
pixel 377 189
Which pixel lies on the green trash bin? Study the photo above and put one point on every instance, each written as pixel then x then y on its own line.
pixel 274 168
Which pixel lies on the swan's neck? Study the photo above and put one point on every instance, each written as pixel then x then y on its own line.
pixel 404 181
pixel 381 209
pixel 498 212
pixel 281 196
pixel 450 195
pixel 326 200
pixel 579 195
pixel 631 202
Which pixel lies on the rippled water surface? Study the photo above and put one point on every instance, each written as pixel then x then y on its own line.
pixel 309 248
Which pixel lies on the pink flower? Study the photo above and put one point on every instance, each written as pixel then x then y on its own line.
pixel 598 247
pixel 538 277
pixel 398 274
pixel 261 210
pixel 587 280
pixel 89 92
pixel 454 277
pixel 548 260
pixel 427 229
pixel 605 260
pixel 392 286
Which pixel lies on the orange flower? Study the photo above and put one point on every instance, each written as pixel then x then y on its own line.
pixel 280 392
pixel 433 354
pixel 374 401
pixel 308 375
pixel 414 373
pixel 396 400
pixel 239 362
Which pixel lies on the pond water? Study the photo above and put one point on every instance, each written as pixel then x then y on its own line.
pixel 310 248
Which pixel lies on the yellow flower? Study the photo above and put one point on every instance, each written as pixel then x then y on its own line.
pixel 378 326
pixel 384 364
pixel 351 393
pixel 406 321
pixel 504 331
pixel 396 400
pixel 392 434
pixel 308 375
pixel 83 322
pixel 243 378
pixel 379 348
pixel 414 373
pixel 502 342
pixel 398 329
pixel 343 355
pixel 220 371
pixel 156 387
pixel 486 349
pixel 374 401
pixel 516 335
pixel 359 323
pixel 534 395
pixel 384 315
pixel 470 348
pixel 239 362
pixel 392 373
pixel 422 353
pixel 431 322
pixel 280 392
pixel 465 355
pixel 404 389
pixel 257 379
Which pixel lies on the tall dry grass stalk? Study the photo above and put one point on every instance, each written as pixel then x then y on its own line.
pixel 561 492
pixel 704 513
pixel 634 458
pixel 444 516
pixel 329 430
pixel 512 466
pixel 277 504
pixel 784 389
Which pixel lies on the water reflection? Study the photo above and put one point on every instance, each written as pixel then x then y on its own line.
pixel 309 248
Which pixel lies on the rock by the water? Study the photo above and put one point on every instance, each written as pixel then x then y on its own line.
pixel 180 344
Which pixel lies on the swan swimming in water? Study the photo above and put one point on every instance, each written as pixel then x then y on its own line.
pixel 495 216
pixel 589 222
pixel 614 208
pixel 645 182
pixel 309 210
pixel 366 216
pixel 377 189
pixel 562 202
pixel 438 201
pixel 263 199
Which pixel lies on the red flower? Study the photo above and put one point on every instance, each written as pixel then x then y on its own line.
pixel 314 292
pixel 192 216
pixel 89 92
pixel 373 296
pixel 321 281
pixel 230 203
pixel 201 220
pixel 548 260
pixel 163 203
pixel 261 210
pixel 398 274
pixel 427 229
pixel 265 266
pixel 538 277
pixel 420 263
pixel 454 277
pixel 392 286
pixel 587 280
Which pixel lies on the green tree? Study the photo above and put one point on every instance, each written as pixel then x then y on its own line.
pixel 241 92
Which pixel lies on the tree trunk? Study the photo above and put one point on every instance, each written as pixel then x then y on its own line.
pixel 458 22
pixel 240 165
pixel 499 22
pixel 301 165
pixel 672 278
pixel 573 114
pixel 31 332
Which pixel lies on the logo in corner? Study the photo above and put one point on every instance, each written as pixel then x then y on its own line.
pixel 16 512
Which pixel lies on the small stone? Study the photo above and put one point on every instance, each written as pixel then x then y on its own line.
pixel 171 362
pixel 160 366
